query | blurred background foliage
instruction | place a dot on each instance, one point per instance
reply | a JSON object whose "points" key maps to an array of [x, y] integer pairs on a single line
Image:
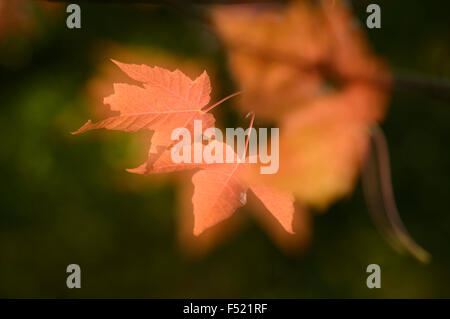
{"points": [[67, 199]]}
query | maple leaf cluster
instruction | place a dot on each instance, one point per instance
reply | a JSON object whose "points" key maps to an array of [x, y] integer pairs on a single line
{"points": [[170, 100], [307, 68]]}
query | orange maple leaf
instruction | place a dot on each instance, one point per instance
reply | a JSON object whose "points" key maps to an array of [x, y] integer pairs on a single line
{"points": [[167, 100], [221, 188]]}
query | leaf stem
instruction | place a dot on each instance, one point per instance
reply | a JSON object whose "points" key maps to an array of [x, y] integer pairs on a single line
{"points": [[249, 130], [377, 185], [221, 101]]}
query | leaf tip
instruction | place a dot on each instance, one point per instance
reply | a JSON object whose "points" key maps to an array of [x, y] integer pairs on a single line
{"points": [[119, 64], [116, 62], [197, 231], [82, 129], [142, 169]]}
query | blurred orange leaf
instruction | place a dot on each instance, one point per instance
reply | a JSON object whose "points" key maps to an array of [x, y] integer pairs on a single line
{"points": [[308, 67]]}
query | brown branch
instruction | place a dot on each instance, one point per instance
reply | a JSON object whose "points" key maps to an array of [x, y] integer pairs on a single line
{"points": [[433, 88]]}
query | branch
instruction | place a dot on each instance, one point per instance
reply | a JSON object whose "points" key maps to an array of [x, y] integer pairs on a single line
{"points": [[433, 88]]}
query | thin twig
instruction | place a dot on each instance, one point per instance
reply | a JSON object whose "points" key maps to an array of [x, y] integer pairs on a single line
{"points": [[377, 185], [221, 101], [434, 88]]}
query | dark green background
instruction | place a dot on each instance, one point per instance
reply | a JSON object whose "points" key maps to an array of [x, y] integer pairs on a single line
{"points": [[59, 204]]}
